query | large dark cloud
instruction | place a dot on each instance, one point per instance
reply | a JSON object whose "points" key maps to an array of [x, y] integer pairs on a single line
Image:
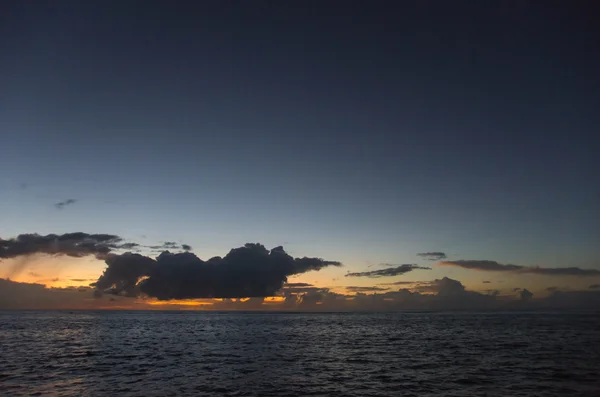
{"points": [[432, 256], [62, 204], [248, 271], [493, 266], [394, 271], [70, 244]]}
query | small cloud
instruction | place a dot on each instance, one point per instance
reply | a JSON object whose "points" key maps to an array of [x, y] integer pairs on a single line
{"points": [[486, 282], [365, 289], [62, 204], [552, 289], [394, 271], [595, 286], [526, 295], [33, 274], [170, 245], [432, 256], [516, 289]]}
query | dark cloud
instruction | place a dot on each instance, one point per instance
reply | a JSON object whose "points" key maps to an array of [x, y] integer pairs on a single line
{"points": [[394, 271], [432, 256], [170, 245], [517, 289], [248, 271], [561, 271], [486, 282], [62, 204], [493, 292], [365, 289], [481, 265], [526, 295], [595, 286], [70, 244], [33, 274], [493, 266], [552, 289]]}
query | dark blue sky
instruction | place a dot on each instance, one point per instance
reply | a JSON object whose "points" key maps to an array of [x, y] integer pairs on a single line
{"points": [[363, 132]]}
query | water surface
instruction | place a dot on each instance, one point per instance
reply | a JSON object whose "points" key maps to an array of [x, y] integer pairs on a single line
{"points": [[298, 354]]}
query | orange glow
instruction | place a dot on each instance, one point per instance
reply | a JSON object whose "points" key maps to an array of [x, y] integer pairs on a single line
{"points": [[179, 302], [274, 299]]}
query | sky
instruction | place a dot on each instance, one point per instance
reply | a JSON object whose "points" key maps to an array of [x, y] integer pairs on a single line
{"points": [[361, 133]]}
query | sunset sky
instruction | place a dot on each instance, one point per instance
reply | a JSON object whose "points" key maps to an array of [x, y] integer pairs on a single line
{"points": [[356, 135]]}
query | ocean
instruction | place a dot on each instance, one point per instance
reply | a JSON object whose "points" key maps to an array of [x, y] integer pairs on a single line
{"points": [[148, 353]]}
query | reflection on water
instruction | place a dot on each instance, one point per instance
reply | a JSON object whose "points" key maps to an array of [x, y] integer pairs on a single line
{"points": [[291, 354]]}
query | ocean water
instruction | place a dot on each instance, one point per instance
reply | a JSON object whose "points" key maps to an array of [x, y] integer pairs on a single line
{"points": [[297, 354]]}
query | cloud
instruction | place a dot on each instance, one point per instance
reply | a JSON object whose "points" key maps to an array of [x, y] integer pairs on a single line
{"points": [[70, 244], [594, 286], [481, 265], [432, 256], [443, 295], [170, 245], [33, 274], [394, 271], [365, 289], [493, 266], [486, 282], [552, 289], [295, 285], [62, 204], [248, 271], [526, 295]]}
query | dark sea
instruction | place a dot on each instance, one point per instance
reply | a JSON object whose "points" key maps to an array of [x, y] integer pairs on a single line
{"points": [[103, 353]]}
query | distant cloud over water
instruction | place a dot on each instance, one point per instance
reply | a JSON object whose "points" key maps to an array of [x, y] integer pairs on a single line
{"points": [[493, 266], [432, 256], [393, 271]]}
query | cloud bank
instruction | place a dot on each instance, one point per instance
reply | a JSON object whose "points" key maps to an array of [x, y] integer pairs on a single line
{"points": [[68, 244], [493, 266]]}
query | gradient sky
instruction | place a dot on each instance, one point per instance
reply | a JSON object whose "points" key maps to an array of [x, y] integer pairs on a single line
{"points": [[354, 131]]}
